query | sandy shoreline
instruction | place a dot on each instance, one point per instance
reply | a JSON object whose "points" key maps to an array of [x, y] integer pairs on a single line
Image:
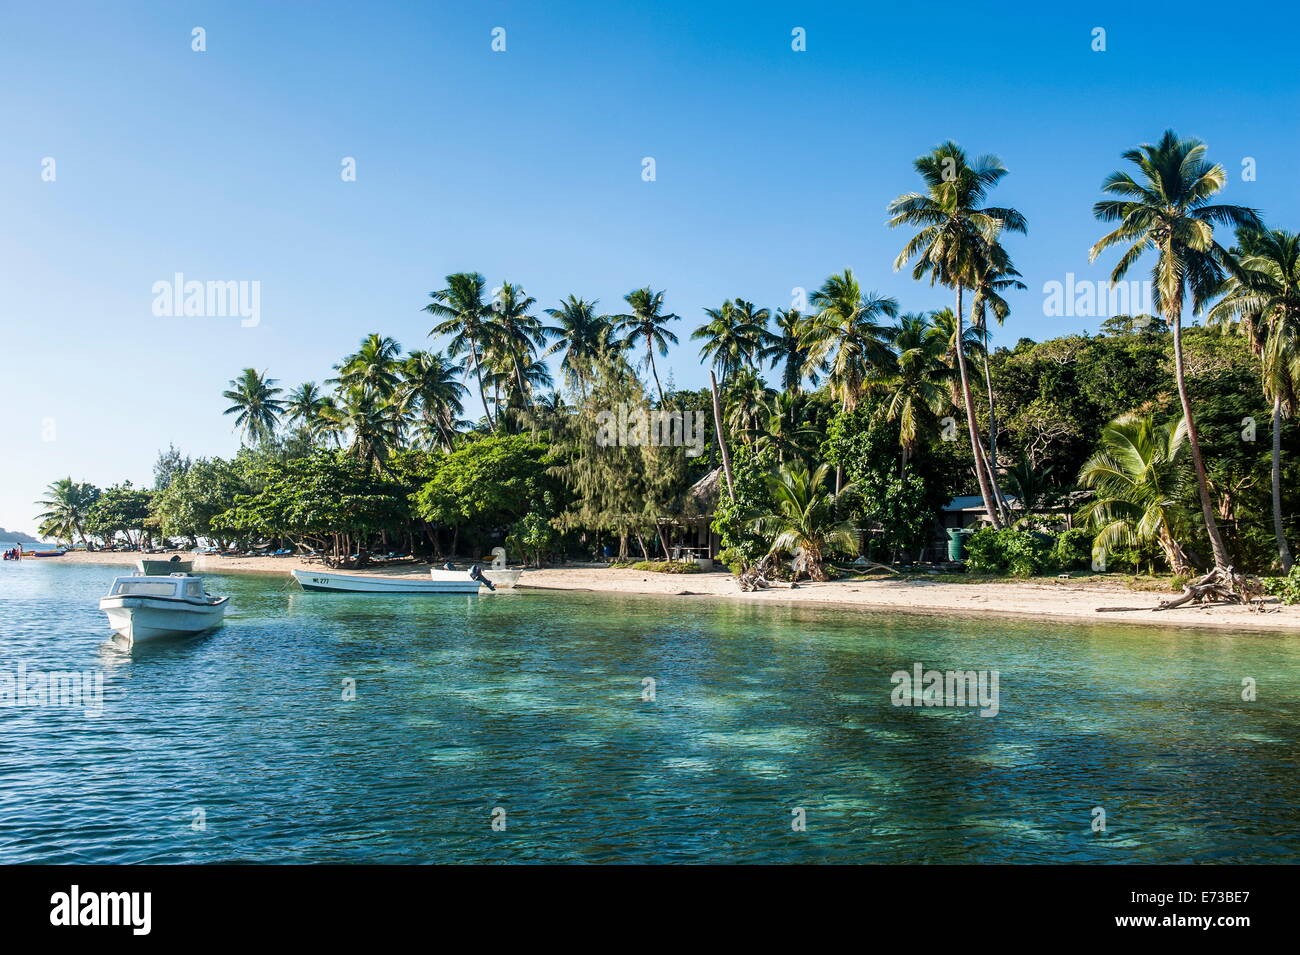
{"points": [[1073, 601]]}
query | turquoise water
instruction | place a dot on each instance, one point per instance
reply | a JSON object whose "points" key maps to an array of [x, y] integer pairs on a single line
{"points": [[532, 703]]}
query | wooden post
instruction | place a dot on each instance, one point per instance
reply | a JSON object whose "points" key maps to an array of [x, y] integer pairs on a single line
{"points": [[722, 443]]}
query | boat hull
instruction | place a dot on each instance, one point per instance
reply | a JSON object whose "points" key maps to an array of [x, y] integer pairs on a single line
{"points": [[138, 619], [323, 582]]}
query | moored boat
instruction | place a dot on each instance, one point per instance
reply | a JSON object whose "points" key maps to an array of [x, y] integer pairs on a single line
{"points": [[328, 582], [45, 553], [162, 568], [149, 608], [499, 578]]}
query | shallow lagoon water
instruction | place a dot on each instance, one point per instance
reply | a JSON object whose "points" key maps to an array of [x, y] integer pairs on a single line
{"points": [[532, 702]]}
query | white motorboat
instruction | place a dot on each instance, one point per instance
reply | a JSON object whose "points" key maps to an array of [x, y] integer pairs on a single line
{"points": [[499, 578], [458, 582], [147, 608]]}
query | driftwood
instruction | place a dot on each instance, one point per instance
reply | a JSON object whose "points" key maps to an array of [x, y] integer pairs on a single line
{"points": [[755, 578], [1221, 585]]}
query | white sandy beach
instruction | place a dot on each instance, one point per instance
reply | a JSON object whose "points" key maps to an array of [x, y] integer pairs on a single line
{"points": [[1065, 600]]}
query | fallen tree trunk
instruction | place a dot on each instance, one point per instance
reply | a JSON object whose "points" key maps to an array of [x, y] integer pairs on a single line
{"points": [[1221, 585]]}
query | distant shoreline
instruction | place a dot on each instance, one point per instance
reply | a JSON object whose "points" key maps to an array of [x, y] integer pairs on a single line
{"points": [[1060, 601]]}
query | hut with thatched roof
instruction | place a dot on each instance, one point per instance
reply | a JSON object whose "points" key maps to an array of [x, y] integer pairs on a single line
{"points": [[692, 530]]}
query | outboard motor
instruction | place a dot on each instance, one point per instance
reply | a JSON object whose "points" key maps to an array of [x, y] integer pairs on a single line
{"points": [[447, 565], [476, 573]]}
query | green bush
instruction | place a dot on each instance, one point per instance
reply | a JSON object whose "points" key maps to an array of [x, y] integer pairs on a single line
{"points": [[736, 559], [1072, 550], [1008, 551], [659, 566], [1286, 589]]}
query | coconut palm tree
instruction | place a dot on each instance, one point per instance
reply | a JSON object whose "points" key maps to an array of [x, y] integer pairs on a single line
{"points": [[512, 346], [1139, 477], [375, 367], [846, 337], [582, 334], [464, 316], [801, 519], [954, 235], [254, 403], [917, 389], [1168, 209], [433, 397], [789, 349], [374, 425], [782, 428], [647, 322], [1263, 303], [735, 336], [745, 401], [306, 407], [66, 504], [994, 275]]}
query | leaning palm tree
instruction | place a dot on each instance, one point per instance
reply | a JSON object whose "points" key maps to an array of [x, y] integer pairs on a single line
{"points": [[918, 388], [433, 396], [254, 403], [1263, 303], [954, 235], [647, 322], [1138, 477], [1167, 209], [994, 275], [67, 502], [583, 335], [789, 350], [846, 337], [306, 407], [801, 519], [464, 316], [735, 336]]}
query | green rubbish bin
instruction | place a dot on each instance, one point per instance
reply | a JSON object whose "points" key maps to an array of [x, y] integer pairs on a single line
{"points": [[957, 543]]}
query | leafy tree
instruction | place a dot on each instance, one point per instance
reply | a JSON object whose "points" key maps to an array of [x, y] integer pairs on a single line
{"points": [[121, 509]]}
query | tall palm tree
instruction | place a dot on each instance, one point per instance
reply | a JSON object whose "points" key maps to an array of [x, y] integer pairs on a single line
{"points": [[783, 428], [66, 504], [254, 403], [745, 401], [464, 316], [1168, 210], [433, 396], [373, 423], [1263, 303], [918, 388], [307, 407], [516, 336], [994, 275], [801, 519], [1138, 477], [583, 335], [846, 336], [648, 322], [375, 367], [735, 336], [954, 234], [789, 349]]}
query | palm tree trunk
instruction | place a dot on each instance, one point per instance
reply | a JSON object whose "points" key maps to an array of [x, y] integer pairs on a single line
{"points": [[991, 505], [650, 353], [1283, 552], [478, 373], [1194, 440]]}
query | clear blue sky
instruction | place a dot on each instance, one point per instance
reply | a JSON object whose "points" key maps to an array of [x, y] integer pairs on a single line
{"points": [[773, 170]]}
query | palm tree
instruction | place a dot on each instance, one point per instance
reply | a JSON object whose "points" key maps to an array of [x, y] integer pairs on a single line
{"points": [[745, 400], [373, 368], [846, 337], [1139, 478], [954, 236], [431, 393], [1263, 303], [994, 275], [783, 428], [735, 336], [375, 425], [465, 317], [583, 335], [66, 504], [919, 386], [801, 519], [307, 408], [1168, 210], [789, 349], [513, 343], [255, 405], [647, 321]]}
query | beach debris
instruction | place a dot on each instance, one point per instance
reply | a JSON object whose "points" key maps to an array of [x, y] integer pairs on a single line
{"points": [[1222, 585]]}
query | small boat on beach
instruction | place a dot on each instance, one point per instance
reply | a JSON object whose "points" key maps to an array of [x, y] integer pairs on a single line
{"points": [[148, 608], [455, 582], [45, 553]]}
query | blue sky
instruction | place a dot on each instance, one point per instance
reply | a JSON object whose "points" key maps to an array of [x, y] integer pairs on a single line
{"points": [[773, 170]]}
